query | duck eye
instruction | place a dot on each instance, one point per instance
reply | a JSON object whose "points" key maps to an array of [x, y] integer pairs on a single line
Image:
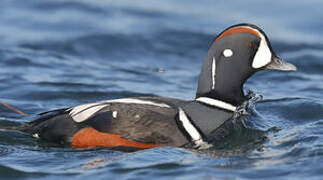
{"points": [[227, 53]]}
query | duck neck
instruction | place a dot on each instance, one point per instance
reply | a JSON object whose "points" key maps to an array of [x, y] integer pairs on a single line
{"points": [[229, 90], [232, 95], [223, 81]]}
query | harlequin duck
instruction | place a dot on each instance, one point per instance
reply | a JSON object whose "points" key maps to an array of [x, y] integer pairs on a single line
{"points": [[146, 122]]}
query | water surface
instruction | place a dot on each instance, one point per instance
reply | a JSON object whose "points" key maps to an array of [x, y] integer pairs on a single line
{"points": [[56, 54]]}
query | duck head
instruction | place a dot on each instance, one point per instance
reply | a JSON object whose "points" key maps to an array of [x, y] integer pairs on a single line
{"points": [[236, 54]]}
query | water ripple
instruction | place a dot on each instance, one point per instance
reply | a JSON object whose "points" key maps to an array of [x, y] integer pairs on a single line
{"points": [[56, 54]]}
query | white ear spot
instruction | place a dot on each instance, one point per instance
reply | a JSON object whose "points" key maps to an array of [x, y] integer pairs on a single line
{"points": [[227, 53]]}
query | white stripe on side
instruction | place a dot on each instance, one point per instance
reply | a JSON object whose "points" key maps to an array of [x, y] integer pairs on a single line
{"points": [[83, 112], [216, 103], [213, 73], [137, 101], [192, 131]]}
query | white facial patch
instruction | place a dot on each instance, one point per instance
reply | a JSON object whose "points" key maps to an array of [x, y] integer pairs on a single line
{"points": [[263, 54], [227, 53]]}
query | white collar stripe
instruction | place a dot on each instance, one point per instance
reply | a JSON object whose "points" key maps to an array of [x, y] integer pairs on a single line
{"points": [[216, 103]]}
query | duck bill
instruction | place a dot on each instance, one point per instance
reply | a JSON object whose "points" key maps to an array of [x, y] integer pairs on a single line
{"points": [[280, 65]]}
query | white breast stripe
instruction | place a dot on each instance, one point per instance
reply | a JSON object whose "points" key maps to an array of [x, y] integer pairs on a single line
{"points": [[188, 126], [192, 131], [216, 103], [83, 112], [213, 73]]}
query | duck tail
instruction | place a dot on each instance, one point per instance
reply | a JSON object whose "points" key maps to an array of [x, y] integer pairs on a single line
{"points": [[16, 110], [12, 108]]}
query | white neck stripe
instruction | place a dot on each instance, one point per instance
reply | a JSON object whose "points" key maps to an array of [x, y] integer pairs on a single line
{"points": [[216, 103], [213, 73]]}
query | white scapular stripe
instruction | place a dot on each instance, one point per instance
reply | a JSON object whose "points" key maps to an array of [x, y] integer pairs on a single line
{"points": [[83, 112], [263, 54], [192, 131], [216, 103], [213, 73]]}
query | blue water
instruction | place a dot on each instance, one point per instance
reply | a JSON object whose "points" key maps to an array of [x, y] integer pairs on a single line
{"points": [[55, 54]]}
